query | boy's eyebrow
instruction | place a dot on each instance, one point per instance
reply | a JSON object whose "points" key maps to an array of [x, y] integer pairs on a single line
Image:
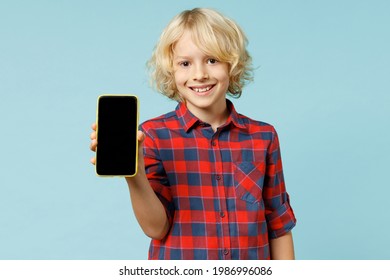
{"points": [[186, 57], [180, 57]]}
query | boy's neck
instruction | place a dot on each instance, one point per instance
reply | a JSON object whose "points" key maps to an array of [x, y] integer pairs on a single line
{"points": [[215, 117], [218, 120]]}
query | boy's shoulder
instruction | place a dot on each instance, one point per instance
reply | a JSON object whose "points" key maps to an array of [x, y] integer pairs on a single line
{"points": [[167, 119], [171, 120], [255, 125], [256, 129]]}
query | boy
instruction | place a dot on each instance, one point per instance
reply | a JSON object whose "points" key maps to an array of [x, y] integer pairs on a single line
{"points": [[212, 186]]}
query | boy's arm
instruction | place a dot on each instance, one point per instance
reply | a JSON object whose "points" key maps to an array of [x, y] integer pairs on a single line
{"points": [[148, 209], [279, 214], [282, 248]]}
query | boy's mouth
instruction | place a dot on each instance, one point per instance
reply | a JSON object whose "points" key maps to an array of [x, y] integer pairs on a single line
{"points": [[202, 89]]}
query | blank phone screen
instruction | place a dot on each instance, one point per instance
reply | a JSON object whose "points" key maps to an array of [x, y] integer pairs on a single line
{"points": [[116, 152]]}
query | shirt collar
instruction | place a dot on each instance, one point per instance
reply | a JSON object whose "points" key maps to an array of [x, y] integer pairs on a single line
{"points": [[188, 120]]}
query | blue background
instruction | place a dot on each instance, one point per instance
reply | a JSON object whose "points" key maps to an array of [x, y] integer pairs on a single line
{"points": [[322, 79]]}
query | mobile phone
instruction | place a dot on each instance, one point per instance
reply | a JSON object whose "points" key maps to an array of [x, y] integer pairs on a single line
{"points": [[116, 134]]}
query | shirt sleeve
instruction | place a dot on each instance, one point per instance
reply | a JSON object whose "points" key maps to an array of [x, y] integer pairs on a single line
{"points": [[279, 214], [156, 174]]}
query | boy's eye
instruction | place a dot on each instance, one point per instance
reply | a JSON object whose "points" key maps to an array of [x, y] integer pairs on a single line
{"points": [[212, 61], [184, 63]]}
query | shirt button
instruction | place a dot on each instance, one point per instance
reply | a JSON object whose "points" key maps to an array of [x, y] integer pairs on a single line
{"points": [[213, 143], [226, 252], [222, 214], [218, 177]]}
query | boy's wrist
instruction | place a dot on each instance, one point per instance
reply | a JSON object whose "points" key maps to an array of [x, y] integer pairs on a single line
{"points": [[138, 179]]}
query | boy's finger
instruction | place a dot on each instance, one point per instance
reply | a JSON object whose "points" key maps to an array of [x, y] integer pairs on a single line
{"points": [[140, 136], [93, 145], [93, 161], [93, 135], [93, 126]]}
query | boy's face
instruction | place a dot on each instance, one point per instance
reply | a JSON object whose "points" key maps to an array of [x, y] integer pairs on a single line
{"points": [[201, 80]]}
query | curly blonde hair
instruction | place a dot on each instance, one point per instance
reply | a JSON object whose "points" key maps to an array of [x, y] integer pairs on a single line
{"points": [[215, 35]]}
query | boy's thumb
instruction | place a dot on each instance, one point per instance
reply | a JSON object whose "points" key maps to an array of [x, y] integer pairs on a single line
{"points": [[141, 137]]}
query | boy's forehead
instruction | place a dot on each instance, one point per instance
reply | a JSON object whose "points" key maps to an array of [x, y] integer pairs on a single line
{"points": [[187, 45], [185, 38]]}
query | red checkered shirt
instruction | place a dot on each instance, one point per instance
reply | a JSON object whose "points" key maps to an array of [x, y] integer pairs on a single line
{"points": [[223, 191]]}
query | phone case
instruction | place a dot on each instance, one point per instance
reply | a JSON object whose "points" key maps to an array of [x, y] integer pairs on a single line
{"points": [[136, 128]]}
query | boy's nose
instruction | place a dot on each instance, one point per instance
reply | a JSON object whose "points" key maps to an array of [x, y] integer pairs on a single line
{"points": [[200, 73]]}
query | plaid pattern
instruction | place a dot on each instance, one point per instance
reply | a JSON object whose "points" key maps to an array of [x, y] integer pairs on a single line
{"points": [[223, 192]]}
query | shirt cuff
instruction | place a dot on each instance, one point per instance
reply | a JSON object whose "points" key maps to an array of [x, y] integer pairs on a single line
{"points": [[280, 221]]}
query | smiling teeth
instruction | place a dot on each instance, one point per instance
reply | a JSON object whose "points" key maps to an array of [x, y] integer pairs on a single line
{"points": [[201, 89]]}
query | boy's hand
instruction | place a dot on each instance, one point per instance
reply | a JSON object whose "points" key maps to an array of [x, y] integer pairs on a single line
{"points": [[93, 144]]}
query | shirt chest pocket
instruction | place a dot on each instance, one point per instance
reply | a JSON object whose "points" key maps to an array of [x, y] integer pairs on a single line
{"points": [[249, 180]]}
